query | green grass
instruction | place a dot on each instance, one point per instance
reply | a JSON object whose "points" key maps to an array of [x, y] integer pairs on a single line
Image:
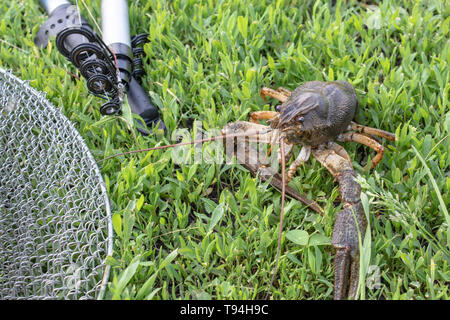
{"points": [[210, 231]]}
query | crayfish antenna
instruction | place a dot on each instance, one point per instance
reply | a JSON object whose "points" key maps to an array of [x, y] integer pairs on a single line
{"points": [[280, 230], [221, 137]]}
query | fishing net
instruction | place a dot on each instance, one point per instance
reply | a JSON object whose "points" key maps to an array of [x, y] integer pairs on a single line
{"points": [[55, 220]]}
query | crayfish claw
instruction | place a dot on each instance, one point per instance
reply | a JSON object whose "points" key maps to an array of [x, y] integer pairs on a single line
{"points": [[341, 273], [349, 223], [346, 277]]}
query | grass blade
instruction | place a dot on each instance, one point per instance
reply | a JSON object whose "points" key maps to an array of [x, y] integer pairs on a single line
{"points": [[438, 192]]}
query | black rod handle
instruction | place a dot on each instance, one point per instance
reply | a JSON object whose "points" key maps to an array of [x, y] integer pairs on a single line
{"points": [[141, 104]]}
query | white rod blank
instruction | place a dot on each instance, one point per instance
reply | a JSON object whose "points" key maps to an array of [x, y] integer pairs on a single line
{"points": [[50, 5], [115, 22]]}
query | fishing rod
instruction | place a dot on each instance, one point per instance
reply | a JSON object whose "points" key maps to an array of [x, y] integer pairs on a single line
{"points": [[111, 64]]}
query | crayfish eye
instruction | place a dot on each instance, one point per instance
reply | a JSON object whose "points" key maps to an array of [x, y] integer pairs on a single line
{"points": [[301, 119], [278, 108]]}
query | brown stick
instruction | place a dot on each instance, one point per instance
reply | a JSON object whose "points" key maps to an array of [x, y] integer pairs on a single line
{"points": [[267, 173]]}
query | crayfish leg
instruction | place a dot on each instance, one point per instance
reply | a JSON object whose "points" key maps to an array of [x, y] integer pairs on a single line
{"points": [[284, 91], [279, 95], [367, 141], [373, 131], [301, 158], [262, 115]]}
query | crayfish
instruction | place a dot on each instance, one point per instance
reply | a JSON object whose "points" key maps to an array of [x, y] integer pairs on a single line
{"points": [[313, 116]]}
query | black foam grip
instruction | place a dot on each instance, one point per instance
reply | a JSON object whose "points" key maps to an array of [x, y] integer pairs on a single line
{"points": [[141, 104]]}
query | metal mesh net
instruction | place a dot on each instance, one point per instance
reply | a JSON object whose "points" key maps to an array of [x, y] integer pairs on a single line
{"points": [[55, 221]]}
